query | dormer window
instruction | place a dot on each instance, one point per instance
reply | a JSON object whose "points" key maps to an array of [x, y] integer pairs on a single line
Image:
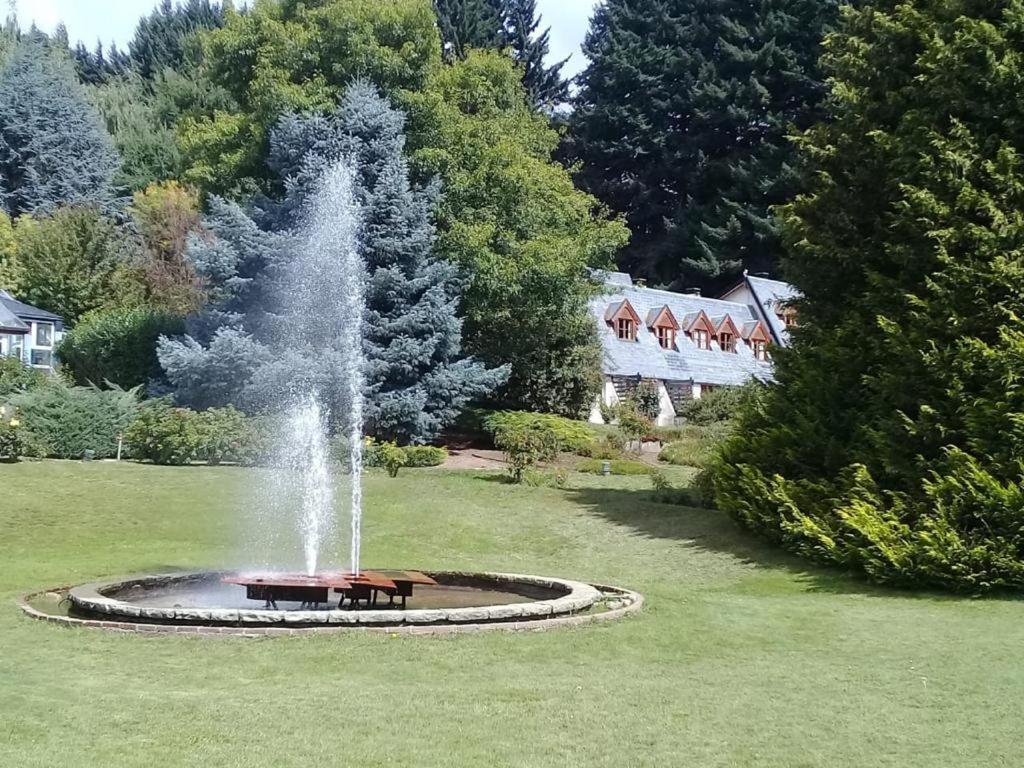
{"points": [[701, 329], [623, 319], [664, 325], [726, 333], [727, 342], [760, 349], [756, 335]]}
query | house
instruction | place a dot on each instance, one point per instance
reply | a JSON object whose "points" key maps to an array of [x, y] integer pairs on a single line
{"points": [[684, 343], [29, 333]]}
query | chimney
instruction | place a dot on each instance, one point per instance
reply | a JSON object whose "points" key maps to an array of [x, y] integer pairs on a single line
{"points": [[640, 282], [691, 291], [765, 275]]}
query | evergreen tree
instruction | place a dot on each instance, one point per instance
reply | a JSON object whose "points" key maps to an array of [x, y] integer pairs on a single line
{"points": [[416, 382], [893, 440], [545, 85], [681, 124], [466, 24], [162, 39], [53, 147]]}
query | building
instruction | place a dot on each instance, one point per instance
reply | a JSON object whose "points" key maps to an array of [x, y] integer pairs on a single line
{"points": [[29, 333], [684, 343]]}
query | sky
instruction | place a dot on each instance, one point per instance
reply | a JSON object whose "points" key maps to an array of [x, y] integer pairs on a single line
{"points": [[114, 20]]}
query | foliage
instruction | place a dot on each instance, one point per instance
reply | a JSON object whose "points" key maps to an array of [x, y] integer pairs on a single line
{"points": [[681, 124], [391, 457], [73, 420], [634, 426], [524, 445], [892, 441], [118, 345], [618, 467], [695, 448], [715, 406], [416, 383], [74, 261], [609, 411], [514, 221], [163, 434], [645, 400], [16, 377], [166, 214], [544, 84], [287, 57], [609, 445], [425, 455], [53, 147], [568, 435], [466, 24], [163, 39], [96, 66], [12, 441], [10, 271]]}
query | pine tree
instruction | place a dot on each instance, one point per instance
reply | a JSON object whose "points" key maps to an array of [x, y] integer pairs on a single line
{"points": [[893, 439], [161, 39], [416, 381], [544, 84], [53, 146], [681, 123], [466, 24]]}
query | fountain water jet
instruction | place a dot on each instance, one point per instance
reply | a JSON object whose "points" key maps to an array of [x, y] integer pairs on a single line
{"points": [[318, 326]]}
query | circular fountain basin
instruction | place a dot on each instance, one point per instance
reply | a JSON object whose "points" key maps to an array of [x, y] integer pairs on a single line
{"points": [[202, 602]]}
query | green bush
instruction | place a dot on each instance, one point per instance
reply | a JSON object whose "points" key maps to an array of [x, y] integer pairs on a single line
{"points": [[425, 455], [618, 467], [572, 436], [72, 420], [228, 435], [391, 457], [646, 400], [118, 345], [524, 444], [634, 426], [163, 434], [12, 441], [694, 447], [714, 407], [16, 377], [610, 445]]}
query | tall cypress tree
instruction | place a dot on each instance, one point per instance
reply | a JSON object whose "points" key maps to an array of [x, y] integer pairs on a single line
{"points": [[681, 123], [893, 439], [54, 149], [161, 39], [416, 380]]}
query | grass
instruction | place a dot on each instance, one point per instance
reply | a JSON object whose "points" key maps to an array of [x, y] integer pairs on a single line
{"points": [[742, 657]]}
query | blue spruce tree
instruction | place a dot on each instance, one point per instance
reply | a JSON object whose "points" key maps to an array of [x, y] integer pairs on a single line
{"points": [[54, 149], [416, 382]]}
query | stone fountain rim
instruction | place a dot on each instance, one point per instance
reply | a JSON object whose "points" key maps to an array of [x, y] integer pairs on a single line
{"points": [[579, 596], [625, 602]]}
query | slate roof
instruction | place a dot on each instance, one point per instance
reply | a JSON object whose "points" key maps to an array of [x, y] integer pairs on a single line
{"points": [[9, 322], [686, 362], [769, 294], [24, 311]]}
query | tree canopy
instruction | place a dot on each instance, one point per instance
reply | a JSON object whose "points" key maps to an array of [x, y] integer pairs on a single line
{"points": [[681, 124], [892, 440]]}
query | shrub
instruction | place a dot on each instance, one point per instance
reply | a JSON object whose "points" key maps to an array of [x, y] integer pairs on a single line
{"points": [[525, 444], [608, 446], [646, 400], [16, 377], [694, 446], [570, 435], [73, 420], [425, 455], [11, 437], [609, 411], [118, 345], [227, 434], [163, 434], [634, 426], [391, 457], [715, 406], [618, 467]]}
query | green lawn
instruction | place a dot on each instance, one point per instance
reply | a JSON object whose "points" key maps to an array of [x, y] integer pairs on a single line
{"points": [[742, 657]]}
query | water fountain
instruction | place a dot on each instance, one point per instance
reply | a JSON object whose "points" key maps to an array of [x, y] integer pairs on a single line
{"points": [[322, 299]]}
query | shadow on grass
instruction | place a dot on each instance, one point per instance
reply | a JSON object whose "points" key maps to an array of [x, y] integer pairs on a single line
{"points": [[714, 531]]}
